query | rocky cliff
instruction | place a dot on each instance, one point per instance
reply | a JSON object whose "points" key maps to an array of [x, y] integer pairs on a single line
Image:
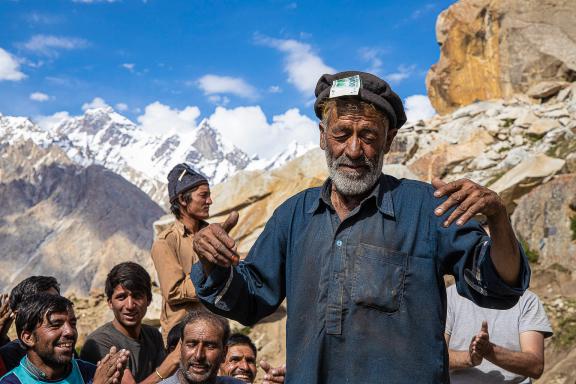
{"points": [[61, 219], [493, 49]]}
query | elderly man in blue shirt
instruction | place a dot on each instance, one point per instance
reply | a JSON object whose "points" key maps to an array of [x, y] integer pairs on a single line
{"points": [[361, 259]]}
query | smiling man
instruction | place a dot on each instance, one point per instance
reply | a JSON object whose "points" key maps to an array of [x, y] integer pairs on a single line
{"points": [[46, 326], [203, 349], [240, 361], [172, 252], [361, 260], [129, 293]]}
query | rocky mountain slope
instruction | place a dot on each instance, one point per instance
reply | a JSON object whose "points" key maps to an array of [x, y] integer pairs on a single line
{"points": [[72, 222]]}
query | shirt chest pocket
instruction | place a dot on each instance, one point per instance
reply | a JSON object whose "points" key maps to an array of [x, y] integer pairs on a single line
{"points": [[378, 278]]}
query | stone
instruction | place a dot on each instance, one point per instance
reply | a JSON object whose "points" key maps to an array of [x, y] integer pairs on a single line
{"points": [[545, 89], [494, 49], [444, 156], [526, 119], [524, 177], [543, 220], [542, 126]]}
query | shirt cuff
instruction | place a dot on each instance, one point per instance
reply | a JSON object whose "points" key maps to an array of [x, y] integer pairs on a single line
{"points": [[209, 287]]}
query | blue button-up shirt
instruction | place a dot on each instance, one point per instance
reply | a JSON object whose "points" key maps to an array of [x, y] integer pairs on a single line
{"points": [[366, 297]]}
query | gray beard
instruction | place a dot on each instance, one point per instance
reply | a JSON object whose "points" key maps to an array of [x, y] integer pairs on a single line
{"points": [[351, 184]]}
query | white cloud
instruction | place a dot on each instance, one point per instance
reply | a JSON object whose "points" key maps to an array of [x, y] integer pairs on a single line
{"points": [[121, 107], [418, 107], [219, 100], [159, 118], [402, 73], [43, 18], [249, 129], [48, 123], [214, 84], [49, 45], [304, 67], [9, 67], [39, 96], [129, 66], [372, 56], [274, 89], [97, 102]]}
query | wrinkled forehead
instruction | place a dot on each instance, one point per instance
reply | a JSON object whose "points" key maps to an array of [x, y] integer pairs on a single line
{"points": [[201, 330], [60, 316], [356, 108], [241, 350]]}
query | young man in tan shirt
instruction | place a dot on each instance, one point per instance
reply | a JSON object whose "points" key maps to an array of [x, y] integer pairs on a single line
{"points": [[172, 251]]}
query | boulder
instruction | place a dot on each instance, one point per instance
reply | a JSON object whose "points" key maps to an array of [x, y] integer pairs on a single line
{"points": [[542, 126], [546, 222], [545, 89], [494, 49], [525, 177]]}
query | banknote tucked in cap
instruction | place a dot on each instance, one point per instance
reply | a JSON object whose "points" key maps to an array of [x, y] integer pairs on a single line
{"points": [[183, 178], [365, 86]]}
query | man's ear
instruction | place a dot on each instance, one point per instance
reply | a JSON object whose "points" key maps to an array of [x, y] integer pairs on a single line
{"points": [[28, 339], [322, 136], [389, 138], [181, 200]]}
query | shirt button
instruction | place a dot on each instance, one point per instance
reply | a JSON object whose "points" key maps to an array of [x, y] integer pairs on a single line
{"points": [[338, 243]]}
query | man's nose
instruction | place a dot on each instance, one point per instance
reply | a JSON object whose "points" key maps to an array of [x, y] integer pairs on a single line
{"points": [[244, 365], [68, 330], [130, 303], [353, 147], [199, 352]]}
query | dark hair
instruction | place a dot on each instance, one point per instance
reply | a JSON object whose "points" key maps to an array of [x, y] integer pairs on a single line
{"points": [[187, 197], [35, 308], [174, 336], [209, 317], [241, 339], [131, 276], [31, 286]]}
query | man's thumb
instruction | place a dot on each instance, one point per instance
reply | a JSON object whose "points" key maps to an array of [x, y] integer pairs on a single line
{"points": [[231, 221], [484, 326], [265, 365]]}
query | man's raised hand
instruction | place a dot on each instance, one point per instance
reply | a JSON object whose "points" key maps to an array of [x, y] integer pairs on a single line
{"points": [[273, 375], [469, 198], [214, 246], [482, 344], [111, 367]]}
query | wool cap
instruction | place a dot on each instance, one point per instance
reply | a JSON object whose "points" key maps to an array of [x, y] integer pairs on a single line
{"points": [[371, 89], [183, 178]]}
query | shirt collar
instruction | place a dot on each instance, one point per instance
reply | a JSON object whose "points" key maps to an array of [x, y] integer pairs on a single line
{"points": [[183, 231], [381, 193]]}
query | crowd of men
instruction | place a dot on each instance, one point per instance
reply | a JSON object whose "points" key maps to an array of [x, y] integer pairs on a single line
{"points": [[360, 261], [124, 350]]}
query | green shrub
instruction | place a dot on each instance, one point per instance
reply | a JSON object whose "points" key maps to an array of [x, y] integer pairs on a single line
{"points": [[531, 254]]}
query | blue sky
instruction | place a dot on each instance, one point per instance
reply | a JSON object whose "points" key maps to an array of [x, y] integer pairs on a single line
{"points": [[189, 59]]}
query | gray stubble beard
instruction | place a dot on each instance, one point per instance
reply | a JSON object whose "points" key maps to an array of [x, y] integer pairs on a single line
{"points": [[349, 185]]}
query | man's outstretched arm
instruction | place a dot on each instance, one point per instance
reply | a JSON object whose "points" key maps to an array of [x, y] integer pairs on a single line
{"points": [[245, 291], [471, 199]]}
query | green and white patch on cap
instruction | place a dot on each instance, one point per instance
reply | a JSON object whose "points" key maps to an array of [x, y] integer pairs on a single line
{"points": [[348, 86]]}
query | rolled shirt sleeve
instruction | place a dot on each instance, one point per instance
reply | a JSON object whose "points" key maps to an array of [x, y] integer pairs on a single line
{"points": [[255, 288], [466, 253]]}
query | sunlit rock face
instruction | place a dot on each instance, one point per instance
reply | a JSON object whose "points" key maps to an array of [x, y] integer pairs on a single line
{"points": [[493, 49]]}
